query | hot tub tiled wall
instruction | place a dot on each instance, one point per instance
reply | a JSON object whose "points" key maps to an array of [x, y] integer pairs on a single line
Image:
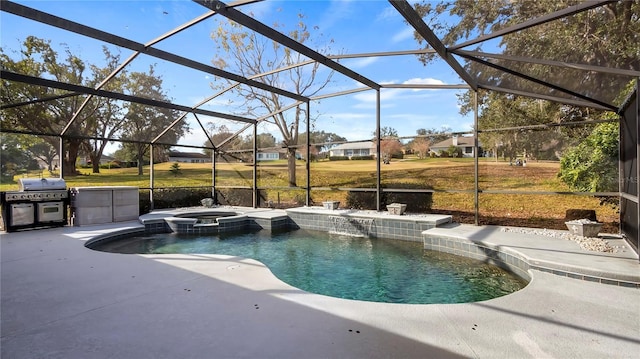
{"points": [[274, 223], [377, 226], [224, 224], [514, 262], [156, 225]]}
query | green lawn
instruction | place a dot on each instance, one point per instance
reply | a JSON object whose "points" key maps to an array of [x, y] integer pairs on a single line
{"points": [[438, 174]]}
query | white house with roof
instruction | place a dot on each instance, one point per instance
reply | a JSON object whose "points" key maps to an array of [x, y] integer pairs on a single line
{"points": [[354, 149], [464, 143], [270, 155], [188, 157], [86, 160]]}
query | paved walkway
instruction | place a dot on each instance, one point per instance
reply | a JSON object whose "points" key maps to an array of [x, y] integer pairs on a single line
{"points": [[62, 300]]}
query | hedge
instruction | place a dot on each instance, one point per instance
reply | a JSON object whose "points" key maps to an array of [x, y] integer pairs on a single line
{"points": [[173, 198], [357, 158], [191, 197], [417, 202]]}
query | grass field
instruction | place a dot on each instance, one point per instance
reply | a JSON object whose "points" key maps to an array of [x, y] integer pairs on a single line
{"points": [[533, 210]]}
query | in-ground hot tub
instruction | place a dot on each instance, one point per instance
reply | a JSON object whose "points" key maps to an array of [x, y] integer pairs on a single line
{"points": [[212, 221], [210, 218]]}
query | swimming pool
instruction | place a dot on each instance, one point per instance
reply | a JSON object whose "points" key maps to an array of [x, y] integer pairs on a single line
{"points": [[369, 269]]}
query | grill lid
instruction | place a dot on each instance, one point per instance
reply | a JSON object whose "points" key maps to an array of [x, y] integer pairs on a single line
{"points": [[41, 184]]}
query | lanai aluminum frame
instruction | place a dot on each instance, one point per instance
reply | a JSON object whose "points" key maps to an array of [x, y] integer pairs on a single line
{"points": [[402, 6]]}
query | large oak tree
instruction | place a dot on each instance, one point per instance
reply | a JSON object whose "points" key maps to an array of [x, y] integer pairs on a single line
{"points": [[607, 36], [244, 52], [38, 58], [100, 118]]}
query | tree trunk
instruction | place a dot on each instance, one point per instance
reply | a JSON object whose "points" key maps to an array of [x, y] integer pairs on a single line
{"points": [[95, 162], [95, 165], [69, 168], [291, 165], [96, 155], [140, 158]]}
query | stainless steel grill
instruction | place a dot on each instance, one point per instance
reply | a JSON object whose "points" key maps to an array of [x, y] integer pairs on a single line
{"points": [[39, 202]]}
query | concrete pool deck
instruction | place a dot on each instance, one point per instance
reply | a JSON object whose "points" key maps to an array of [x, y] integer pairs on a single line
{"points": [[62, 300]]}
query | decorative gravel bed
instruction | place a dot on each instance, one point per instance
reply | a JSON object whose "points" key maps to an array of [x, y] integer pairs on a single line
{"points": [[587, 243]]}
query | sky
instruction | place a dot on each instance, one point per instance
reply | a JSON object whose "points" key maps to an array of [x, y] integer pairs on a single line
{"points": [[348, 27]]}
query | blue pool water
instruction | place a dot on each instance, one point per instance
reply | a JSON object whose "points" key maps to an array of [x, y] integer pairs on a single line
{"points": [[377, 270]]}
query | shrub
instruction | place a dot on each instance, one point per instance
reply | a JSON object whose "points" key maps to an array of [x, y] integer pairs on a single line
{"points": [[175, 169], [111, 164], [454, 151], [592, 166], [338, 158], [359, 158]]}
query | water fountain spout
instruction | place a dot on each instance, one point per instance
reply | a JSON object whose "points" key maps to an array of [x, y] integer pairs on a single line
{"points": [[355, 227]]}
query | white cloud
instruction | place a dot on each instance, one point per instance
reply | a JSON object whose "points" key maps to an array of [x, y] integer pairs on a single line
{"points": [[388, 13], [403, 35], [424, 81], [368, 98], [371, 97], [359, 63]]}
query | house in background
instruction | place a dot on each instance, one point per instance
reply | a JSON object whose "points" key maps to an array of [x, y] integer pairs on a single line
{"points": [[354, 149], [464, 143], [86, 161], [188, 157], [271, 155]]}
